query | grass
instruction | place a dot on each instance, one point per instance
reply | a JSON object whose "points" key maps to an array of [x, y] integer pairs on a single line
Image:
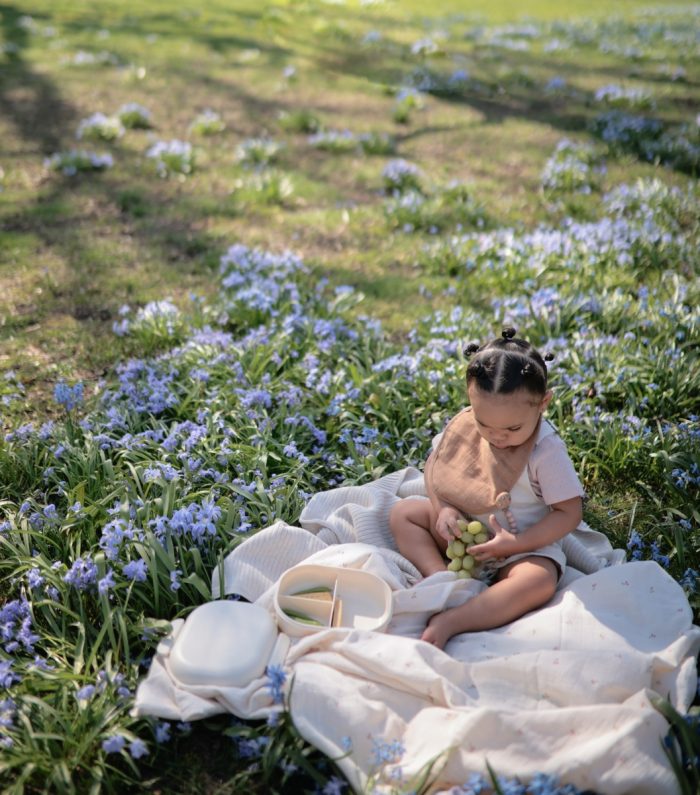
{"points": [[233, 60], [74, 250]]}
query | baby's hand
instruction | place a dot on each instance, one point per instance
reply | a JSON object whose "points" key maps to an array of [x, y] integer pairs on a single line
{"points": [[503, 544], [447, 523]]}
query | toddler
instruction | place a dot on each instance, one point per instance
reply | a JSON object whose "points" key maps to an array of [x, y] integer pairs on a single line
{"points": [[500, 462]]}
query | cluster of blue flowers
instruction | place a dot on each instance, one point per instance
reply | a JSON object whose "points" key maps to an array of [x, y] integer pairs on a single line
{"points": [[400, 175], [572, 168], [540, 784]]}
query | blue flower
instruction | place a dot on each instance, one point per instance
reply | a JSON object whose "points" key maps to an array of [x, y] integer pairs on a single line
{"points": [[543, 784], [34, 578], [82, 574], [476, 784], [136, 570], [106, 583], [635, 544], [334, 786], [68, 397], [8, 709], [656, 555], [175, 579], [7, 677], [386, 752], [114, 744], [276, 678], [511, 786], [137, 749], [85, 693], [162, 732], [689, 580], [251, 748]]}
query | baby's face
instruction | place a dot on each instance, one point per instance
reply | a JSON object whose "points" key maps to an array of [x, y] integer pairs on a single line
{"points": [[506, 420]]}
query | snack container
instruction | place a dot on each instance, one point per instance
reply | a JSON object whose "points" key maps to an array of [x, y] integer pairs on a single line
{"points": [[311, 597], [223, 643], [228, 643]]}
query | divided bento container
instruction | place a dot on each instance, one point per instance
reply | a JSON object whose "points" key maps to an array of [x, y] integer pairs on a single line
{"points": [[311, 597]]}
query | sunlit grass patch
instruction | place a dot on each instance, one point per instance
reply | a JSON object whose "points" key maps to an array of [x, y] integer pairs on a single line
{"points": [[301, 120], [258, 151], [267, 187]]}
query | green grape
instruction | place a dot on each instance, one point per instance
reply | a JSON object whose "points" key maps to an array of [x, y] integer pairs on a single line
{"points": [[457, 547]]}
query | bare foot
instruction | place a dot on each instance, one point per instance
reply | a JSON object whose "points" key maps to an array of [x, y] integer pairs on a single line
{"points": [[437, 632]]}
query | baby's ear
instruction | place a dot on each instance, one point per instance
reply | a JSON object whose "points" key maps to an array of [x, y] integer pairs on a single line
{"points": [[546, 400]]}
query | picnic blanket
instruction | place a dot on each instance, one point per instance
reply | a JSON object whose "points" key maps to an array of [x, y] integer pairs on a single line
{"points": [[564, 690]]}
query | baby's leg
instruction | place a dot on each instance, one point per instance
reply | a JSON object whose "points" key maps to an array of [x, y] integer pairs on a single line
{"points": [[522, 586], [412, 523]]}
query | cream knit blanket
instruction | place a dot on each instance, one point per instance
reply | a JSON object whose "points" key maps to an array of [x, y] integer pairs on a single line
{"points": [[564, 690]]}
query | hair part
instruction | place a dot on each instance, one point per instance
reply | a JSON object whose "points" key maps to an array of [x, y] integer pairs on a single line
{"points": [[506, 365]]}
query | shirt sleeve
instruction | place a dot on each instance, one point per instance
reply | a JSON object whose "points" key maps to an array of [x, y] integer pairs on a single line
{"points": [[552, 472]]}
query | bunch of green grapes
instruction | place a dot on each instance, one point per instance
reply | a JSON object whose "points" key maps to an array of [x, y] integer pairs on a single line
{"points": [[461, 562]]}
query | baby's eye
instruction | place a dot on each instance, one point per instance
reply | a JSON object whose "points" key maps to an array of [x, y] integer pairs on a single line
{"points": [[517, 428]]}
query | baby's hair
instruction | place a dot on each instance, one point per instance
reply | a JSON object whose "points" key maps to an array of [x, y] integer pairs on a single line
{"points": [[507, 364]]}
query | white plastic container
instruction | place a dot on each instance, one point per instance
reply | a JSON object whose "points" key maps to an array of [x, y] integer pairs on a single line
{"points": [[229, 643], [311, 597], [223, 643]]}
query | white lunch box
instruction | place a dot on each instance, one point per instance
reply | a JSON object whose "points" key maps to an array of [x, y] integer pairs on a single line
{"points": [[229, 643]]}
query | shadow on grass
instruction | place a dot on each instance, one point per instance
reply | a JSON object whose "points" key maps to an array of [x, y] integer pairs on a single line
{"points": [[28, 99], [509, 85], [68, 213]]}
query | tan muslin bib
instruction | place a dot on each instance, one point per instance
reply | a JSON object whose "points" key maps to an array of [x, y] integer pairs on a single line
{"points": [[467, 472]]}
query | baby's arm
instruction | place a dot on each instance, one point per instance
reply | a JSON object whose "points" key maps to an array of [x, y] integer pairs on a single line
{"points": [[564, 517], [447, 515]]}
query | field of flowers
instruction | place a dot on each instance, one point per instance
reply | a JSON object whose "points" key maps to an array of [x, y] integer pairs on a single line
{"points": [[214, 307]]}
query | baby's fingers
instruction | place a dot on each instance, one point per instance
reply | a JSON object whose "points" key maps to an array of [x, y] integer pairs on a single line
{"points": [[479, 551], [444, 529]]}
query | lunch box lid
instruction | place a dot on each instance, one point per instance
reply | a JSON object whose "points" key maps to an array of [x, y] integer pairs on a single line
{"points": [[224, 643]]}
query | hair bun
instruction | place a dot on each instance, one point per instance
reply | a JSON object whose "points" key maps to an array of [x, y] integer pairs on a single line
{"points": [[470, 348], [548, 357], [508, 333]]}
